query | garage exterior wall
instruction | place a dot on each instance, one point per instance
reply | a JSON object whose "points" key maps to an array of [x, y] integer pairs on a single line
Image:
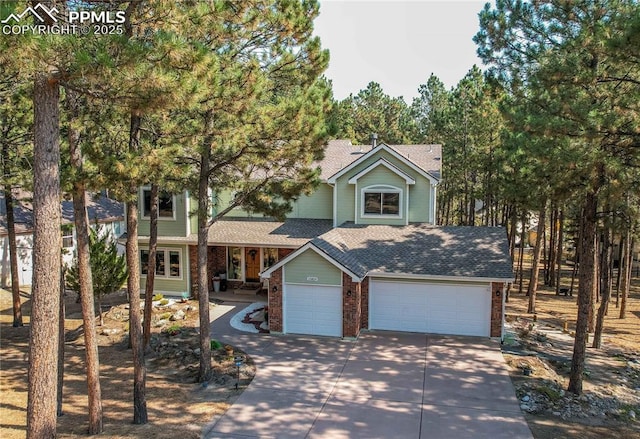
{"points": [[497, 296], [275, 302], [312, 269], [356, 305], [351, 306]]}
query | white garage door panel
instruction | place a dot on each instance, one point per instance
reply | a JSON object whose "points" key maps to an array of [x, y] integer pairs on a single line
{"points": [[433, 308], [314, 310]]}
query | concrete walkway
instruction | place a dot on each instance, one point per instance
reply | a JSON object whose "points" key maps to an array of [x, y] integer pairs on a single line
{"points": [[384, 385]]}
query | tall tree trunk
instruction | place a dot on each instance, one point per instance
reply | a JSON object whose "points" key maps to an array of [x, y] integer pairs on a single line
{"points": [[61, 316], [627, 267], [151, 271], [140, 415], [204, 374], [523, 236], [13, 254], [512, 244], [85, 280], [621, 248], [43, 340], [585, 289], [605, 286], [559, 250], [596, 286], [535, 271], [551, 263]]}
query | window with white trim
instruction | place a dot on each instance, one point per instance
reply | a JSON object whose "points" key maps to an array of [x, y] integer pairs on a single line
{"points": [[168, 262], [166, 204], [67, 235], [381, 202]]}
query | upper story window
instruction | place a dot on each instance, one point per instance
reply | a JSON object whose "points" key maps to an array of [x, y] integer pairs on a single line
{"points": [[383, 202], [166, 204]]}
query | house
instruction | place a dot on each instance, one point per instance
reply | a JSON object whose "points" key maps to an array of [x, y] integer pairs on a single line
{"points": [[361, 252], [102, 210]]}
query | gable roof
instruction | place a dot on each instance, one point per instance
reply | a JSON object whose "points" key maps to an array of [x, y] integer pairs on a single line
{"points": [[385, 163], [340, 154], [419, 251]]}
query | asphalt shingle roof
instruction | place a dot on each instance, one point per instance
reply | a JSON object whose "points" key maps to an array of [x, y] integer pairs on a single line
{"points": [[99, 208], [341, 153], [293, 232], [420, 249]]}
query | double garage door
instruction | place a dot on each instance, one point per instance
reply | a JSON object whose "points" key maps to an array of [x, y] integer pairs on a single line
{"points": [[459, 309], [432, 308]]}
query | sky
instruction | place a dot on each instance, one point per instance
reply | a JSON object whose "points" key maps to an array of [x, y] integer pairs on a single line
{"points": [[397, 43]]}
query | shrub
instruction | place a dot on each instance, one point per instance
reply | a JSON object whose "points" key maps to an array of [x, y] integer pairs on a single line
{"points": [[173, 329], [215, 344], [552, 394], [157, 297], [164, 302]]}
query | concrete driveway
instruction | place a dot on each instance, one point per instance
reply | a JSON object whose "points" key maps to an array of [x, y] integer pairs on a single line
{"points": [[384, 385]]}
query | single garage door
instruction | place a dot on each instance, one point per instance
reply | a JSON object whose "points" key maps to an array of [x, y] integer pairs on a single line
{"points": [[432, 308], [313, 309]]}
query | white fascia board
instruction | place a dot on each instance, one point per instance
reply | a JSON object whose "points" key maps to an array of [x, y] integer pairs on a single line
{"points": [[382, 162], [266, 274], [437, 277]]}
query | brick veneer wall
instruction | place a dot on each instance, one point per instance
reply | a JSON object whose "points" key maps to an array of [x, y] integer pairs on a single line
{"points": [[275, 301], [283, 252], [496, 308], [351, 306], [364, 305]]}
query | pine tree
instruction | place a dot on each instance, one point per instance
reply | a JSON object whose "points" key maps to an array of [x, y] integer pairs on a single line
{"points": [[567, 64]]}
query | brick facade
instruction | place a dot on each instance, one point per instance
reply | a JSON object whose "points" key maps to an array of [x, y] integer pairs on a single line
{"points": [[275, 301], [497, 291], [364, 317], [351, 306]]}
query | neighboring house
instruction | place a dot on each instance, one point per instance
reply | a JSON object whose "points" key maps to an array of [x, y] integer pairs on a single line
{"points": [[361, 252], [109, 214]]}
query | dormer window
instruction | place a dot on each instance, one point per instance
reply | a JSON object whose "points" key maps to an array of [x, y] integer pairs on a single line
{"points": [[381, 202]]}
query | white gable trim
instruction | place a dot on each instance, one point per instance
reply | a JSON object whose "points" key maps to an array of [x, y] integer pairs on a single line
{"points": [[382, 162], [394, 153], [266, 274]]}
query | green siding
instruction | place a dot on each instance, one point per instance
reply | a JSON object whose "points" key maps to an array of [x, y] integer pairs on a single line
{"points": [[345, 201], [223, 200], [193, 216], [419, 201], [419, 195], [166, 226], [311, 265], [318, 205], [169, 285]]}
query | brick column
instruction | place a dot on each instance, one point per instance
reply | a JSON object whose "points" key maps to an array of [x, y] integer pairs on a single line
{"points": [[497, 291], [275, 301], [351, 306], [364, 318]]}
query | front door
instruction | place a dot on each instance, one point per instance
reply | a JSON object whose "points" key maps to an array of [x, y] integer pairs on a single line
{"points": [[252, 264]]}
